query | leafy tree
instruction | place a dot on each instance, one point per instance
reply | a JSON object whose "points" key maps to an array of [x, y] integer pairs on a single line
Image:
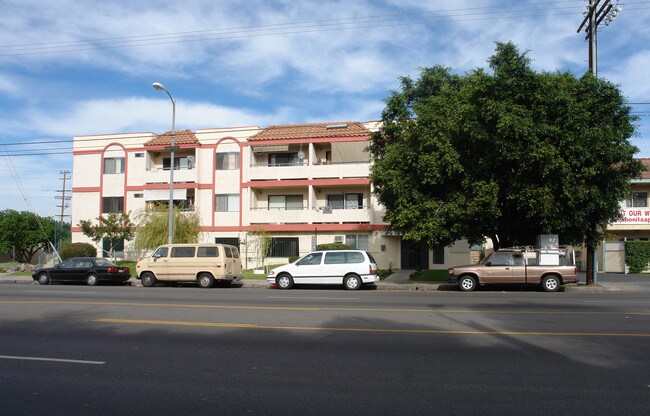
{"points": [[25, 233], [113, 227], [153, 227], [508, 154]]}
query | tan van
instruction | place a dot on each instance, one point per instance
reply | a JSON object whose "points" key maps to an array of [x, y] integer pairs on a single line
{"points": [[205, 264]]}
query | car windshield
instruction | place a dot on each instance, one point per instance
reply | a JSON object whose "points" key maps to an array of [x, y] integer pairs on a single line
{"points": [[103, 262]]}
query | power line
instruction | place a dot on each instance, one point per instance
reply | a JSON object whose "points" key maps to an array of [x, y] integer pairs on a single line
{"points": [[350, 23]]}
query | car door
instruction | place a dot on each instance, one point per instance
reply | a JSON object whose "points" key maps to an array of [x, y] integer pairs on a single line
{"points": [[63, 271], [308, 269], [159, 263], [71, 270], [335, 266], [498, 268]]}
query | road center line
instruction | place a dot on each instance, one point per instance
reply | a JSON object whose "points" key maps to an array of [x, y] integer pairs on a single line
{"points": [[40, 292], [56, 360], [377, 330]]}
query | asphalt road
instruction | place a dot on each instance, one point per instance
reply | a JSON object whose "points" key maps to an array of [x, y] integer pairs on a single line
{"points": [[78, 350]]}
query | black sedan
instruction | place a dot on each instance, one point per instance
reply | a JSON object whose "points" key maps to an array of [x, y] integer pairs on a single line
{"points": [[90, 270]]}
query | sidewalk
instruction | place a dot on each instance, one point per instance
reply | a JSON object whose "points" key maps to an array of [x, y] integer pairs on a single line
{"points": [[400, 281]]}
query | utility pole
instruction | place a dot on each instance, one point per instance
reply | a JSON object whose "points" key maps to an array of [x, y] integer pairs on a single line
{"points": [[594, 15], [63, 197]]}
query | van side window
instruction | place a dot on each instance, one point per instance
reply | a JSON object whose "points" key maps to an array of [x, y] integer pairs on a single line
{"points": [[226, 249], [336, 258], [355, 257], [207, 252], [235, 252], [183, 251], [161, 252], [310, 259]]}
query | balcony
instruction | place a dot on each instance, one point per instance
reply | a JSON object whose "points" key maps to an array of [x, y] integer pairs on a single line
{"points": [[359, 169], [162, 175], [309, 216]]}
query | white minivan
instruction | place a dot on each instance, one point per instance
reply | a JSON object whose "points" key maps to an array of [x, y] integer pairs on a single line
{"points": [[350, 268]]}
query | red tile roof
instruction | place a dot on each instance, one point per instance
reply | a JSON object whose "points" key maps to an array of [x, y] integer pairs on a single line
{"points": [[312, 131], [180, 137]]}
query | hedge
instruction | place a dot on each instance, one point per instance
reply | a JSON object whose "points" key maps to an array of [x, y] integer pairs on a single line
{"points": [[78, 250], [637, 255]]}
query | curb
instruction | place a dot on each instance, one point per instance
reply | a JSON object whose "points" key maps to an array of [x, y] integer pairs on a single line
{"points": [[383, 285]]}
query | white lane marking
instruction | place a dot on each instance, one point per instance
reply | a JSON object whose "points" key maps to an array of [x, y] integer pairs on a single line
{"points": [[308, 297], [614, 301], [59, 292], [57, 360]]}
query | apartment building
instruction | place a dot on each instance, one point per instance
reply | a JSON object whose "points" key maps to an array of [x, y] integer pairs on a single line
{"points": [[301, 184]]}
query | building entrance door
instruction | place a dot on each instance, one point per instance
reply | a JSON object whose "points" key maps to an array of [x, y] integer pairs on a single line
{"points": [[414, 256]]}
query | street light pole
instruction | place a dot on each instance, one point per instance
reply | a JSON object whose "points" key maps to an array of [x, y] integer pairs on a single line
{"points": [[170, 237]]}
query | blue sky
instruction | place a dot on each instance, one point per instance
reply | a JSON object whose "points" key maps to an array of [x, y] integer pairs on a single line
{"points": [[80, 67]]}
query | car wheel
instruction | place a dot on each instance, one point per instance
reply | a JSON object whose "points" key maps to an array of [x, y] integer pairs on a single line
{"points": [[352, 282], [43, 279], [284, 281], [551, 284], [148, 279], [206, 280], [467, 283], [92, 280]]}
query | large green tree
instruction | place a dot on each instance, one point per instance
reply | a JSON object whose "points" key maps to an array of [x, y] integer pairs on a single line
{"points": [[508, 153], [25, 233], [153, 227]]}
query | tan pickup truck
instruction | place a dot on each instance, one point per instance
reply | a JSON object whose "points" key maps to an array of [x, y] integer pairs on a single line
{"points": [[550, 268]]}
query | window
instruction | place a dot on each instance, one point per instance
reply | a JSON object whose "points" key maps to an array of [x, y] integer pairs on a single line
{"points": [[139, 155], [637, 200], [138, 195], [279, 202], [284, 247], [183, 252], [231, 241], [182, 162], [344, 257], [116, 245], [112, 204], [312, 259], [228, 252], [438, 255], [227, 203], [284, 159], [500, 259], [357, 242], [161, 252], [207, 252], [347, 201], [113, 165], [228, 161]]}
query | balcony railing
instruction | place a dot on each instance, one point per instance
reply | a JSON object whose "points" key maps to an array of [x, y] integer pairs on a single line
{"points": [[357, 169], [162, 175], [309, 216]]}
